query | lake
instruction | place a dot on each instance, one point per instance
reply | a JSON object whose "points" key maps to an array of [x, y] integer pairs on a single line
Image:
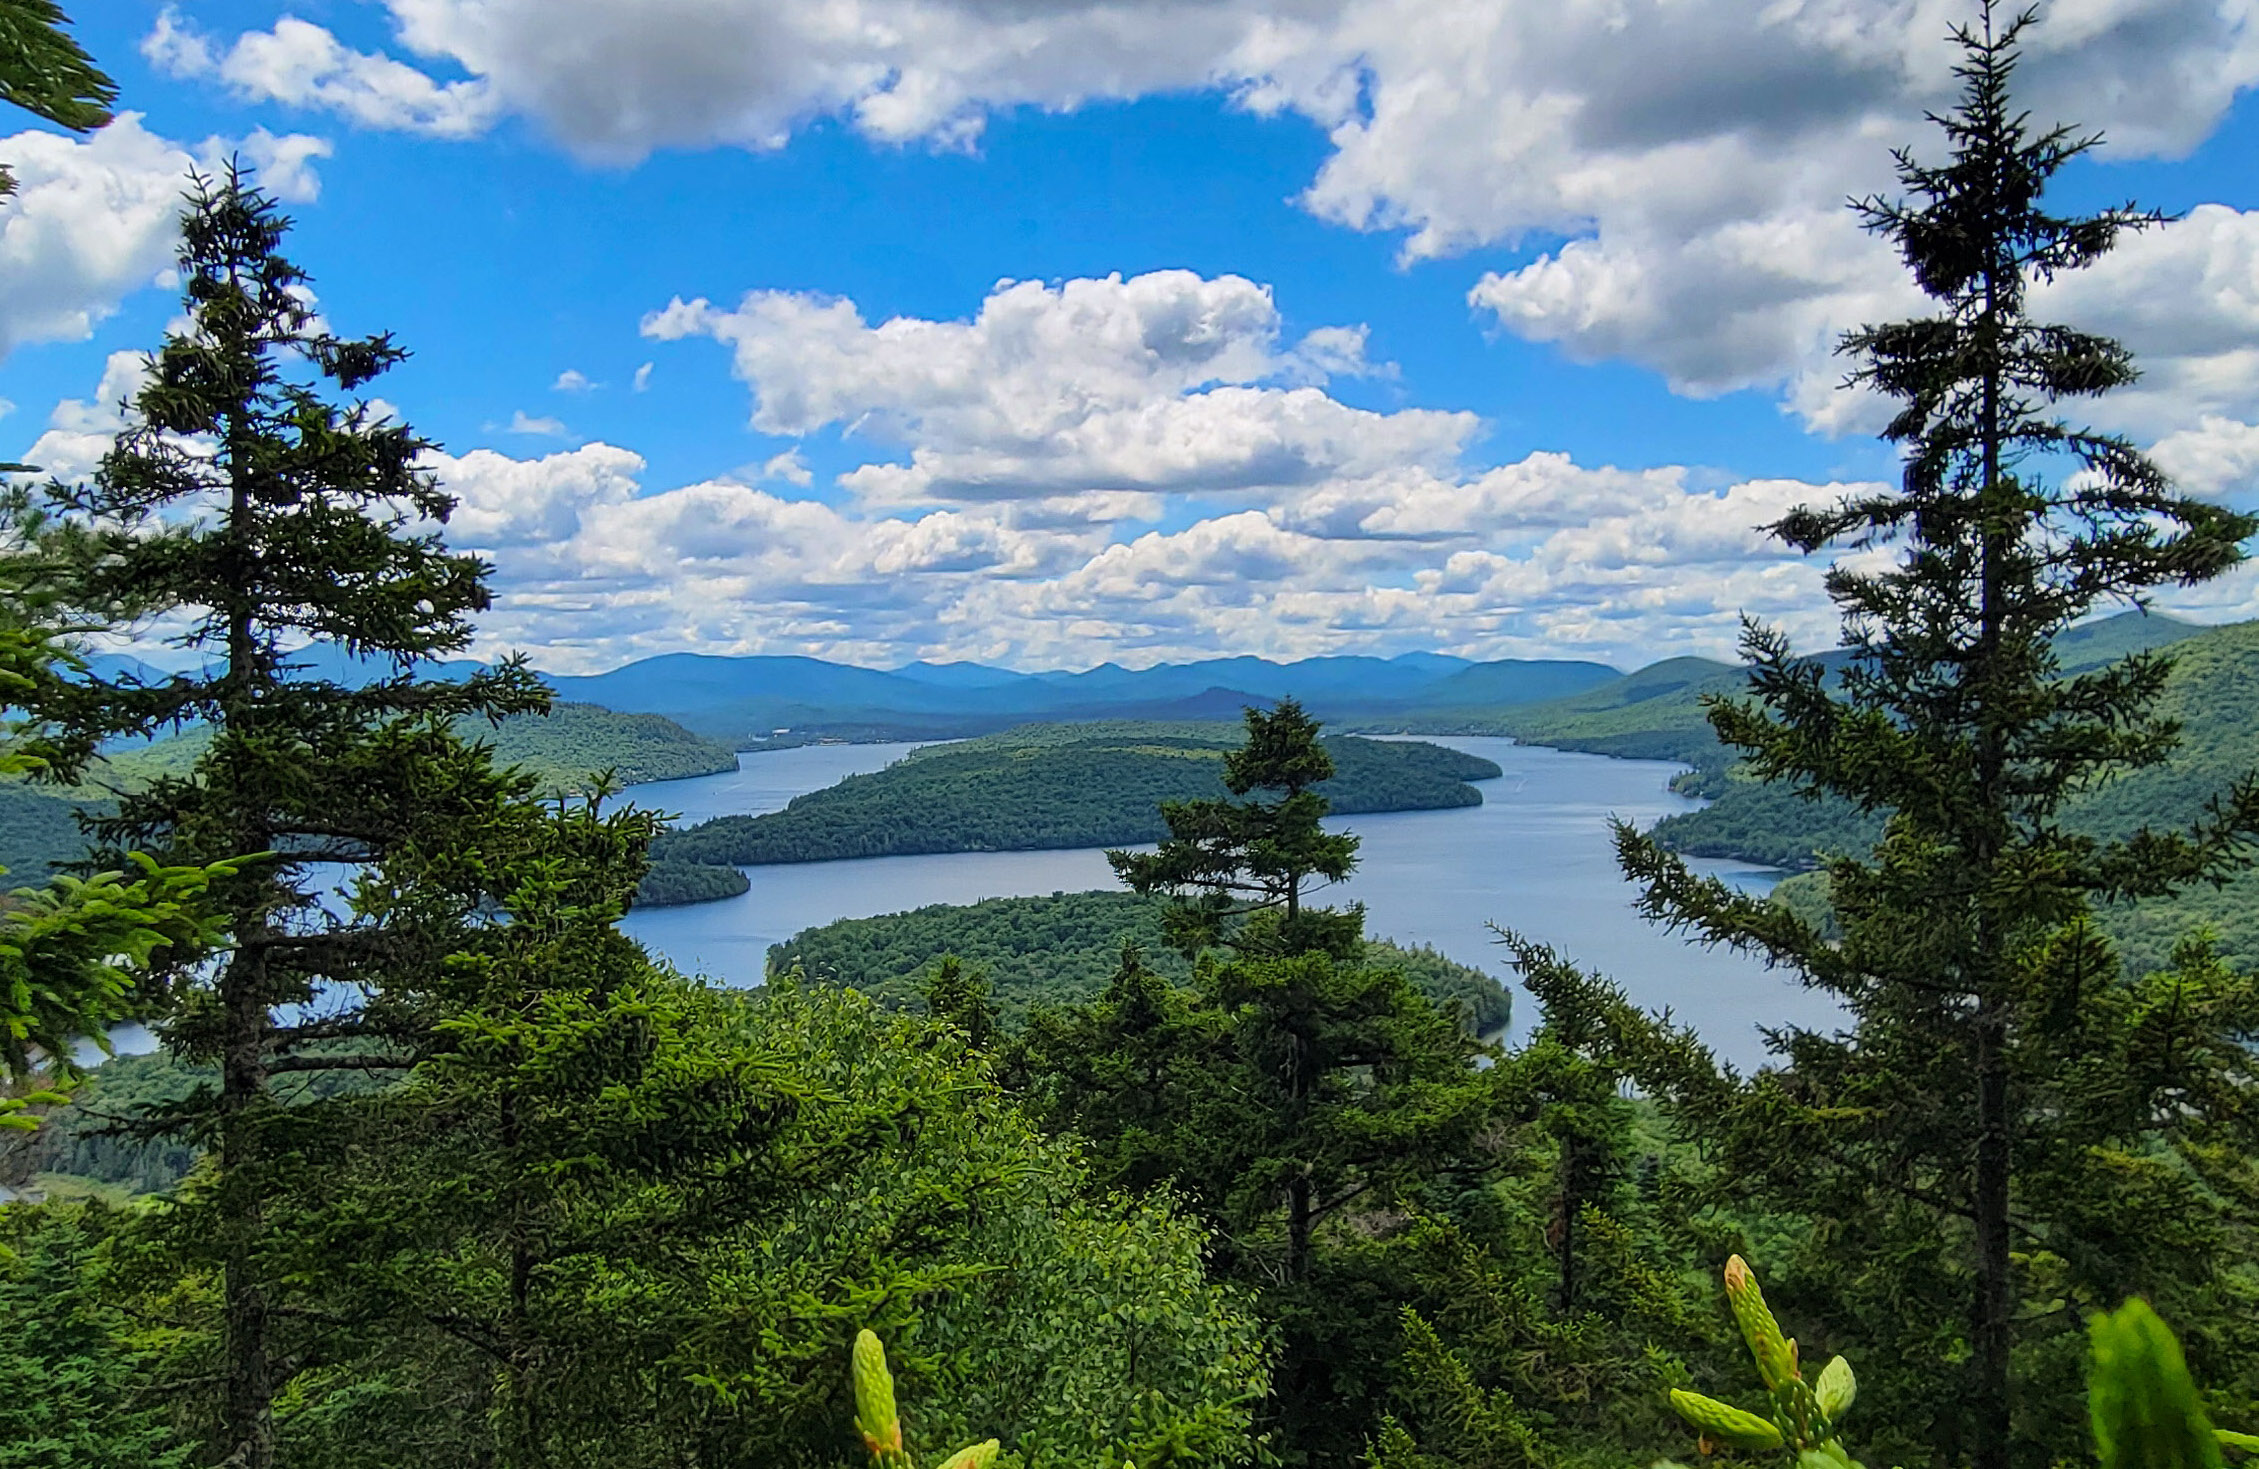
{"points": [[1534, 857]]}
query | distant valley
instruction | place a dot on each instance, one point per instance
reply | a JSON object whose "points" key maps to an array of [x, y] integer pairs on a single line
{"points": [[1012, 786]]}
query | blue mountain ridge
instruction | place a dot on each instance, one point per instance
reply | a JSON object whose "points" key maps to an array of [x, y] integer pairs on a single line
{"points": [[753, 697]]}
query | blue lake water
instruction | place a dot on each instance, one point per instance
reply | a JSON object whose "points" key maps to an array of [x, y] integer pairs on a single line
{"points": [[1534, 857]]}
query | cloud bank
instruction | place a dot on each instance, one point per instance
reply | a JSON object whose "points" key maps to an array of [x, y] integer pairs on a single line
{"points": [[1681, 167], [1140, 469]]}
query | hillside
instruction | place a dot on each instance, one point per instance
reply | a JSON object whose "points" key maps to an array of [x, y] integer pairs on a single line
{"points": [[1653, 714], [2213, 692], [1054, 950], [563, 750], [1656, 712], [1051, 786]]}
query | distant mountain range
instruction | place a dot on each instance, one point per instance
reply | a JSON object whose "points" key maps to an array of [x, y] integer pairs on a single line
{"points": [[764, 700], [753, 702]]}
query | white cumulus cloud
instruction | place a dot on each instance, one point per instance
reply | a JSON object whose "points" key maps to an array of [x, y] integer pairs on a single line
{"points": [[92, 219], [1166, 382], [303, 65], [522, 422]]}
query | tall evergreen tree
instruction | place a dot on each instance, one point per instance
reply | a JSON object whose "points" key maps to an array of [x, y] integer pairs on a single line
{"points": [[1292, 1092], [1238, 869], [2010, 524], [256, 516]]}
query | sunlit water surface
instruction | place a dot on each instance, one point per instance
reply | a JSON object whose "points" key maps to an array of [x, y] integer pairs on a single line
{"points": [[1534, 857]]}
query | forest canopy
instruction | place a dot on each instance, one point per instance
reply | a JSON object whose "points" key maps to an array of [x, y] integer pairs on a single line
{"points": [[1063, 949]]}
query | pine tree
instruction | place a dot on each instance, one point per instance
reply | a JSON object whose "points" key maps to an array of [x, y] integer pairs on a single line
{"points": [[2010, 524], [253, 516], [1238, 869]]}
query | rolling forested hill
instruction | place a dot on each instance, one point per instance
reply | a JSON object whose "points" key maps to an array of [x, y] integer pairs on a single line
{"points": [[2214, 694], [563, 749], [765, 701], [1062, 948], [1656, 712], [1052, 786]]}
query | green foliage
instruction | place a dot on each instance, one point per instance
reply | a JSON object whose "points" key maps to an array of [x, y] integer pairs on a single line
{"points": [[565, 750], [74, 1380], [880, 1423], [1772, 824], [1062, 949], [75, 954], [672, 884], [2210, 694], [1053, 786], [1295, 1103], [45, 72], [1234, 870], [813, 1166], [315, 523], [1801, 1418], [2143, 1406], [1957, 1118], [2133, 1152], [960, 996]]}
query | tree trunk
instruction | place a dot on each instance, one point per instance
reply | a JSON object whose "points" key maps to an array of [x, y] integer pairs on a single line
{"points": [[244, 988], [1992, 1326], [1990, 1337], [1298, 1227], [249, 1421]]}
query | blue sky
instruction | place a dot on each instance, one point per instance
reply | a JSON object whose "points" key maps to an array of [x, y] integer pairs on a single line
{"points": [[1344, 325]]}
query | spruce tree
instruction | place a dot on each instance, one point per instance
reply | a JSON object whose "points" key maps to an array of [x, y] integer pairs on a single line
{"points": [[248, 515], [1297, 1096], [1237, 870], [1951, 719]]}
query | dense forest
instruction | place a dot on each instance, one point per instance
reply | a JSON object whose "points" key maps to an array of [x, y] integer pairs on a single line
{"points": [[1045, 786], [1032, 952], [1061, 949]]}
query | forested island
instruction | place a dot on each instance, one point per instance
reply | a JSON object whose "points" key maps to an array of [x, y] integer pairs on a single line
{"points": [[1063, 948], [1049, 786]]}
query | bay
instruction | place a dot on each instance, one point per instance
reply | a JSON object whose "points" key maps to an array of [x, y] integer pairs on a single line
{"points": [[1535, 857]]}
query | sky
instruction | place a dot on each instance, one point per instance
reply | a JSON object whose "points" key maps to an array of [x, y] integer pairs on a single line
{"points": [[1045, 333]]}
